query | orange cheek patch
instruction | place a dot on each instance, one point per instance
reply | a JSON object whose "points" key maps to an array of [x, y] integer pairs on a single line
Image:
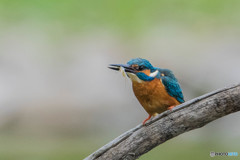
{"points": [[146, 71], [134, 65]]}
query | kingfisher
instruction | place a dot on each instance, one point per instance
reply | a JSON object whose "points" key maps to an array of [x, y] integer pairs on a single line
{"points": [[156, 89]]}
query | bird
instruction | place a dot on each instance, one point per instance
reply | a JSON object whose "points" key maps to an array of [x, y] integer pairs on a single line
{"points": [[156, 89]]}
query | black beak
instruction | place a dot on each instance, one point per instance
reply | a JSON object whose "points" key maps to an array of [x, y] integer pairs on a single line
{"points": [[127, 68]]}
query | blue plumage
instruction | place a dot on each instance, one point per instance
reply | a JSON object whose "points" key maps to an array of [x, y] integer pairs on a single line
{"points": [[144, 77], [171, 84], [141, 62]]}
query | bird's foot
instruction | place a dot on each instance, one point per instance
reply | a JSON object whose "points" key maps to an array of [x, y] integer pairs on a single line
{"points": [[146, 119], [170, 108]]}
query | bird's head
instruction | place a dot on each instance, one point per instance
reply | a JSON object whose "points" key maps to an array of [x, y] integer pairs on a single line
{"points": [[137, 69]]}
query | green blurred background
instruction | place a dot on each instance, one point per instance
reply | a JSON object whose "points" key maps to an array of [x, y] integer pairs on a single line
{"points": [[59, 101]]}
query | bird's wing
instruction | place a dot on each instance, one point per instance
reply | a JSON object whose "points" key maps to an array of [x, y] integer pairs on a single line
{"points": [[173, 88]]}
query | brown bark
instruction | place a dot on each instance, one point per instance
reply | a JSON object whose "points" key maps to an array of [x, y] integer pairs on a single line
{"points": [[185, 117]]}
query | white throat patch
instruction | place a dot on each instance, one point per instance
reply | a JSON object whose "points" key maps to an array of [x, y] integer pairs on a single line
{"points": [[134, 77]]}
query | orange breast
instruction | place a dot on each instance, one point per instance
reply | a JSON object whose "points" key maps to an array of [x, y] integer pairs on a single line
{"points": [[153, 96]]}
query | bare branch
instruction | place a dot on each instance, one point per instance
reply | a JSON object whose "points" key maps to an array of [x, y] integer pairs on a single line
{"points": [[185, 117]]}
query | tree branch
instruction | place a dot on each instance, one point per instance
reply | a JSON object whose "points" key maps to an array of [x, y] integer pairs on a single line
{"points": [[185, 117]]}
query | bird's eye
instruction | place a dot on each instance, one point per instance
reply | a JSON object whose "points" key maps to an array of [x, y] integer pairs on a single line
{"points": [[140, 68]]}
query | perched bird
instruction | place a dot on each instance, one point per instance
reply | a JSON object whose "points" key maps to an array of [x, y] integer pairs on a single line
{"points": [[156, 89]]}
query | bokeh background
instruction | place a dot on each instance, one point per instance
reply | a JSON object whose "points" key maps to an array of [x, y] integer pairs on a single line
{"points": [[58, 99]]}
